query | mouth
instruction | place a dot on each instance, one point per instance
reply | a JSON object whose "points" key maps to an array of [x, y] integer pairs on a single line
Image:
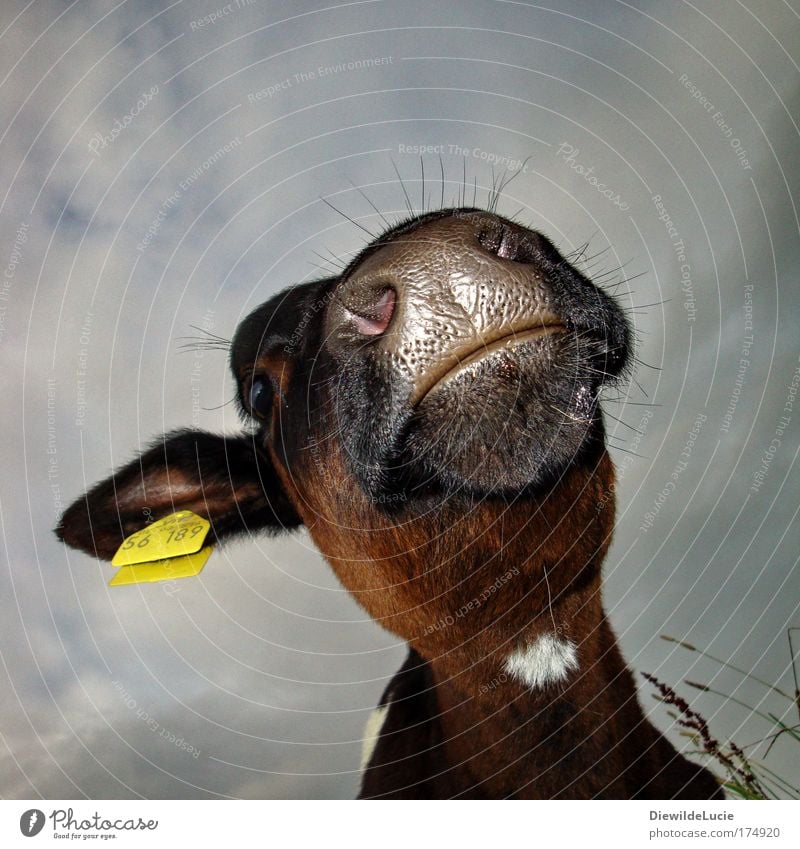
{"points": [[488, 346]]}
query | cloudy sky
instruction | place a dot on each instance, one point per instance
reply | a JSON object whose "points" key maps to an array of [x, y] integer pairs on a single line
{"points": [[162, 165]]}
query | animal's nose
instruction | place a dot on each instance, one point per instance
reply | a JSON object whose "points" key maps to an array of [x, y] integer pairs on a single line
{"points": [[373, 308], [434, 293]]}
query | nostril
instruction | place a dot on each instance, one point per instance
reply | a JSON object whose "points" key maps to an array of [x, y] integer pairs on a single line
{"points": [[512, 243], [490, 237], [374, 319], [499, 240]]}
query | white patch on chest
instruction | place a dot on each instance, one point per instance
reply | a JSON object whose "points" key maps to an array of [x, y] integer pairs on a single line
{"points": [[372, 730], [547, 660]]}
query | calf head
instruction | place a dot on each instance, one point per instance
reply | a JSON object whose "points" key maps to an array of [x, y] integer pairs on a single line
{"points": [[430, 415]]}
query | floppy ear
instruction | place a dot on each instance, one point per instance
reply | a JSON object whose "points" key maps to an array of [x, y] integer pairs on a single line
{"points": [[227, 480]]}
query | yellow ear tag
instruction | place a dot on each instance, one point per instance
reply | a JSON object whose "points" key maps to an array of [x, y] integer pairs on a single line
{"points": [[173, 536], [184, 566]]}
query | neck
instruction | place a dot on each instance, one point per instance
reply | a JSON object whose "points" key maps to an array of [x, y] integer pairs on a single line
{"points": [[467, 581], [518, 672], [543, 716]]}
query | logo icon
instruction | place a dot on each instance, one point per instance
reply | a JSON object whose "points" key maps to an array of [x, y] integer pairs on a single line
{"points": [[31, 822]]}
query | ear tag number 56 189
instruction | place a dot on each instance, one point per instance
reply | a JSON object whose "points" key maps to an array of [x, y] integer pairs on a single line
{"points": [[173, 536]]}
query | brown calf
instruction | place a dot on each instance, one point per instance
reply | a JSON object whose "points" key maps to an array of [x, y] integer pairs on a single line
{"points": [[431, 416]]}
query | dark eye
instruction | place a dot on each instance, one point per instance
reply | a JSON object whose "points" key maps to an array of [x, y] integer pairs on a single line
{"points": [[259, 396]]}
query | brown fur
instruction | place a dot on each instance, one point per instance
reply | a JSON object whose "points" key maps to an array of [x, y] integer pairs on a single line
{"points": [[487, 735]]}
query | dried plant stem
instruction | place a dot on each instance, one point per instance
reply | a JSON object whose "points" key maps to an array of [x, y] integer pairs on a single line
{"points": [[741, 777], [727, 664]]}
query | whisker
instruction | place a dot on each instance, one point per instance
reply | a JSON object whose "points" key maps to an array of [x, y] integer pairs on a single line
{"points": [[624, 424], [207, 333], [422, 172], [220, 406], [441, 168], [628, 451], [403, 187], [369, 201], [336, 263], [639, 361], [348, 218]]}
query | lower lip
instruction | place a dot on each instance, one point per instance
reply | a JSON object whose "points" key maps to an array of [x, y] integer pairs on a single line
{"points": [[513, 340]]}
